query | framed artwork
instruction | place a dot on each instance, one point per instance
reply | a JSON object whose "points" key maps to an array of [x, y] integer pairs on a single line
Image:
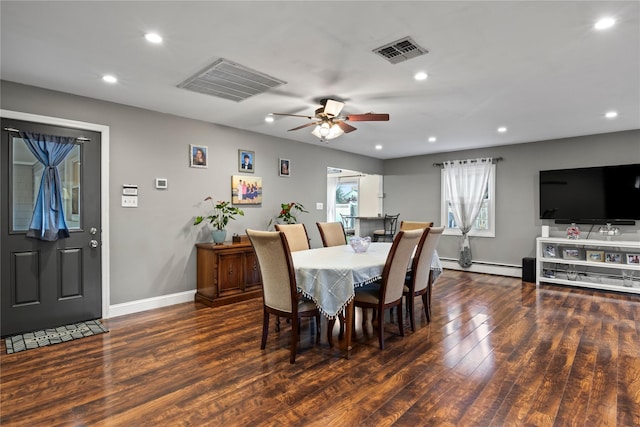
{"points": [[595, 256], [246, 190], [198, 157], [633, 258], [568, 253], [613, 257], [246, 161], [550, 251], [285, 167]]}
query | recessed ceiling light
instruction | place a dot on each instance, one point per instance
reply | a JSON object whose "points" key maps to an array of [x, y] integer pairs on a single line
{"points": [[611, 114], [378, 147], [269, 119], [109, 78], [604, 23], [421, 75], [432, 139], [153, 38], [502, 129]]}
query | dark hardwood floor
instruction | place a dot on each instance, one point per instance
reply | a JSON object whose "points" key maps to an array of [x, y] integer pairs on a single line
{"points": [[498, 352]]}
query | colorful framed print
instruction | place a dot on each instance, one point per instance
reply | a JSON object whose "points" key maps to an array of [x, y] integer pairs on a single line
{"points": [[246, 161], [285, 167], [570, 253], [246, 190], [633, 258], [198, 156], [550, 251], [595, 256], [613, 257]]}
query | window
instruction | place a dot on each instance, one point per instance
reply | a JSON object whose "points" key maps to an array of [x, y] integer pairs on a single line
{"points": [[485, 222]]}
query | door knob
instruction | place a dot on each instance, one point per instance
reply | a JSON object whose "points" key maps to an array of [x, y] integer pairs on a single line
{"points": [[93, 244]]}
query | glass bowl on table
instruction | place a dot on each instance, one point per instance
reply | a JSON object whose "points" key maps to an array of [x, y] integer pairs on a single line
{"points": [[360, 244]]}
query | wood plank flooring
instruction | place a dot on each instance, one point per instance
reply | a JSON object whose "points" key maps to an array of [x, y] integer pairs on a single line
{"points": [[498, 352]]}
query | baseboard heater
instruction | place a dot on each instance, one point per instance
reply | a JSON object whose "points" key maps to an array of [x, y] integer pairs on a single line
{"points": [[487, 267]]}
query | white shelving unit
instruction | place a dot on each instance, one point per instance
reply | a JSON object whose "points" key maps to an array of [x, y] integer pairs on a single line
{"points": [[576, 263]]}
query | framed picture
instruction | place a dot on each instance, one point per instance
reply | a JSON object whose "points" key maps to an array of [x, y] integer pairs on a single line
{"points": [[246, 161], [633, 258], [246, 190], [571, 253], [198, 157], [285, 167], [595, 256], [550, 251], [613, 257]]}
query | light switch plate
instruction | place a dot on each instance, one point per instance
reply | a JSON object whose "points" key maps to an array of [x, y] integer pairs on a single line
{"points": [[129, 201], [319, 206]]}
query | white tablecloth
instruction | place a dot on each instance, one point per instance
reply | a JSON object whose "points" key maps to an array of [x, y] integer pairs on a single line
{"points": [[330, 275]]}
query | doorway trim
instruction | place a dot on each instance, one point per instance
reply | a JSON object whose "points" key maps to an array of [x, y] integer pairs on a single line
{"points": [[104, 185]]}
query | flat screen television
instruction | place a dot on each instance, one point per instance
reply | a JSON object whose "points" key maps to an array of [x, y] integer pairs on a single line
{"points": [[595, 195]]}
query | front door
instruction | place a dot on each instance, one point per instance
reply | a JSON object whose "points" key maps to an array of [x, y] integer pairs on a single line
{"points": [[49, 284]]}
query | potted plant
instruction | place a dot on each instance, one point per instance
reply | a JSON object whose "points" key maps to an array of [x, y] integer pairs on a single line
{"points": [[222, 213], [288, 212]]}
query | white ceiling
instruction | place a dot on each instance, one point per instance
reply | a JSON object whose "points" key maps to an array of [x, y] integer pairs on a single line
{"points": [[538, 67]]}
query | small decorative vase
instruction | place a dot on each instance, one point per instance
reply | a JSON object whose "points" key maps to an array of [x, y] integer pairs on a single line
{"points": [[573, 232], [219, 236]]}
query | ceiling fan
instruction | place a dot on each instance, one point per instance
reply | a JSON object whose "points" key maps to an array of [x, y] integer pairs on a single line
{"points": [[328, 122]]}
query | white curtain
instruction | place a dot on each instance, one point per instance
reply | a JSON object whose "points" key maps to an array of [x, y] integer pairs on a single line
{"points": [[466, 182], [332, 184]]}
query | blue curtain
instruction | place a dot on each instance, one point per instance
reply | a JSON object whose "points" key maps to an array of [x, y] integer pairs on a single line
{"points": [[48, 221]]}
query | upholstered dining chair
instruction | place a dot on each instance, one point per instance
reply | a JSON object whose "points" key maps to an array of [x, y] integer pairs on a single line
{"points": [[389, 231], [414, 225], [420, 280], [332, 233], [297, 236], [388, 291], [281, 296], [348, 222]]}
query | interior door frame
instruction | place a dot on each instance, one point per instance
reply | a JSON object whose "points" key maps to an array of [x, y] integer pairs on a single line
{"points": [[104, 186]]}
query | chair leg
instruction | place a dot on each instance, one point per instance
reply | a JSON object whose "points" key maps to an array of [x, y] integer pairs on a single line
{"points": [[400, 322], [410, 306], [295, 330], [318, 328], [330, 325], [427, 310], [381, 330], [277, 323], [265, 329]]}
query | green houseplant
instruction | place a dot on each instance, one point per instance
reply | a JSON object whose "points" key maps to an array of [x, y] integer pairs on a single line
{"points": [[223, 212], [288, 212]]}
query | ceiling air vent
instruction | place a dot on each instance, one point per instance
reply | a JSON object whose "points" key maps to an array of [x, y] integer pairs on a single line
{"points": [[228, 80], [400, 50]]}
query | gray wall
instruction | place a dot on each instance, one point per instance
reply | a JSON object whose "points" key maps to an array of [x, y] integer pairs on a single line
{"points": [[152, 247], [517, 209]]}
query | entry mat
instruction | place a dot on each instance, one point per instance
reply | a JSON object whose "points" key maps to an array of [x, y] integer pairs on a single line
{"points": [[52, 336]]}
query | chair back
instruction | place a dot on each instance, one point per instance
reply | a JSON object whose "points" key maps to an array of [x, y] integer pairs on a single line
{"points": [[297, 236], [332, 233], [390, 224], [421, 267], [348, 221], [395, 268], [276, 268], [414, 225]]}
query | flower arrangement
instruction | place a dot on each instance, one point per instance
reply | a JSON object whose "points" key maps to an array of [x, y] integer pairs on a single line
{"points": [[222, 213], [288, 212]]}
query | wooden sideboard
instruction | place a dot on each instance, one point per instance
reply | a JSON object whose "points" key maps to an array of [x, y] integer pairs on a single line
{"points": [[227, 273]]}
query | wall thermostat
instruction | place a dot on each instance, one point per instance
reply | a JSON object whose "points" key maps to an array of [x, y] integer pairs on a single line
{"points": [[129, 190], [161, 183]]}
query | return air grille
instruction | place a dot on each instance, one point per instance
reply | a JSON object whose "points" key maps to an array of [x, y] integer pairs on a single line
{"points": [[400, 50], [228, 80]]}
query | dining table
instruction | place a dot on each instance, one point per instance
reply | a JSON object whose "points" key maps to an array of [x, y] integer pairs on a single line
{"points": [[329, 277]]}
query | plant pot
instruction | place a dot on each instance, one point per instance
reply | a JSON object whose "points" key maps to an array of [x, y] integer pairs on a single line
{"points": [[219, 236]]}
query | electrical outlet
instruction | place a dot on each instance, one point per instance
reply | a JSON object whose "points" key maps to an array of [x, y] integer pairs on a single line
{"points": [[129, 201]]}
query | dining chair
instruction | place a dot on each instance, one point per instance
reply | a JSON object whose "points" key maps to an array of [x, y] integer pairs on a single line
{"points": [[388, 291], [420, 280], [281, 296], [332, 233], [348, 222], [414, 225], [297, 236], [389, 231]]}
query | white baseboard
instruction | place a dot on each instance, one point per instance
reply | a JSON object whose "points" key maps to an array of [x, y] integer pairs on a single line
{"points": [[150, 303], [500, 270]]}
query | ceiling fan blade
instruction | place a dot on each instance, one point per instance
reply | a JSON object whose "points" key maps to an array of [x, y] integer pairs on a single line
{"points": [[291, 115], [369, 117], [333, 108], [306, 125], [346, 128]]}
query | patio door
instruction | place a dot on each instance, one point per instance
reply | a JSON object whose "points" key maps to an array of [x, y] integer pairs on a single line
{"points": [[46, 284]]}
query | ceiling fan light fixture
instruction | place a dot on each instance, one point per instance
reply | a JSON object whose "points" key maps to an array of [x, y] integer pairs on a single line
{"points": [[326, 131]]}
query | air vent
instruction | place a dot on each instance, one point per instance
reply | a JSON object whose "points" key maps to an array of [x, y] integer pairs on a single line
{"points": [[400, 50], [228, 80]]}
